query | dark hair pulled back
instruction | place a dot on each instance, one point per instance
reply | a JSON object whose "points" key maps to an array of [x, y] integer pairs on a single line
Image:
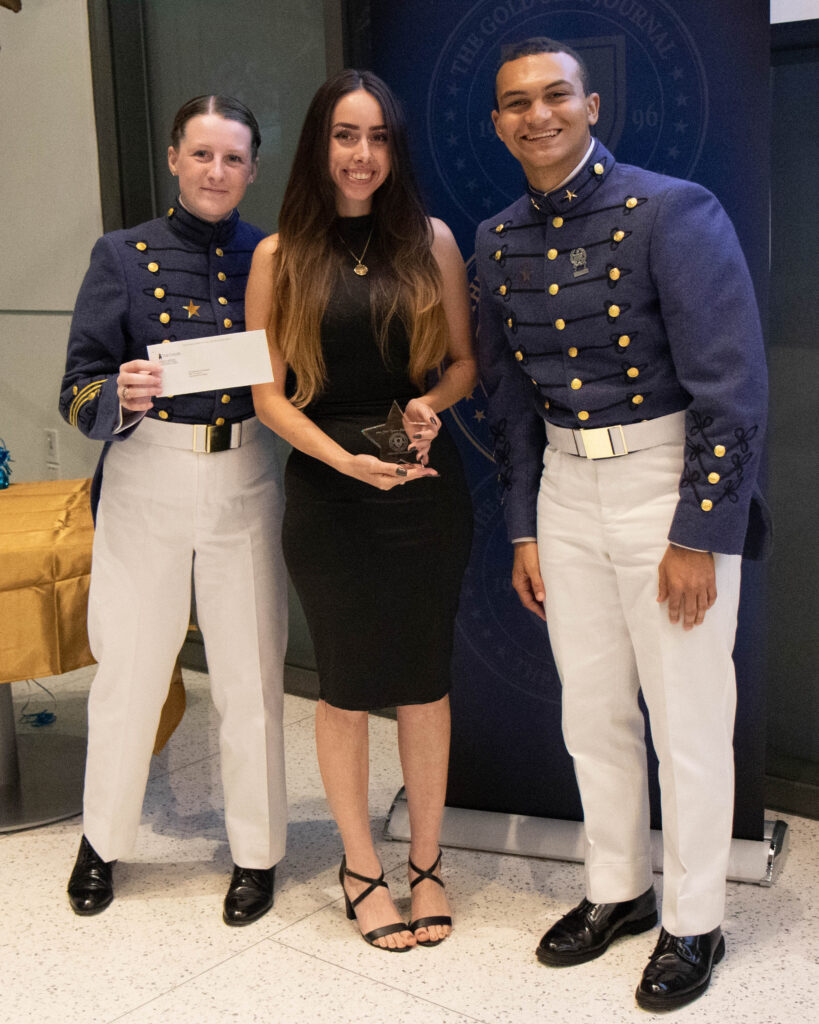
{"points": [[225, 106]]}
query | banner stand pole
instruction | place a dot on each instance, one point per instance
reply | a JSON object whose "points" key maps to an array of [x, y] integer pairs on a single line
{"points": [[757, 862]]}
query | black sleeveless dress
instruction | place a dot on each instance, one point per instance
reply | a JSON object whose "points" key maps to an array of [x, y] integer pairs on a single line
{"points": [[378, 573]]}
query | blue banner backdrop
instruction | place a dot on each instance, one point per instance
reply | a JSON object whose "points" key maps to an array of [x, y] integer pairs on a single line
{"points": [[684, 91]]}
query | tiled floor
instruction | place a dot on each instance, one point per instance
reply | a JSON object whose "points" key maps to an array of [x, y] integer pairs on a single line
{"points": [[160, 953]]}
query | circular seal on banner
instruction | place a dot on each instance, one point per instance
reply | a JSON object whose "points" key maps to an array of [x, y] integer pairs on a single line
{"points": [[508, 643], [642, 60]]}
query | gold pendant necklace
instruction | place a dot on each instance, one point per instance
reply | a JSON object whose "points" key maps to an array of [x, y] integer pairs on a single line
{"points": [[359, 267]]}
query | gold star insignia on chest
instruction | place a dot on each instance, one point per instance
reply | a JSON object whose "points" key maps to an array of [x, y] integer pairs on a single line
{"points": [[191, 309], [570, 195]]}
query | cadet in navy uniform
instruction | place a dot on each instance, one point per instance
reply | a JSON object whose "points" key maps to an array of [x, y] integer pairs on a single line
{"points": [[191, 479], [618, 321]]}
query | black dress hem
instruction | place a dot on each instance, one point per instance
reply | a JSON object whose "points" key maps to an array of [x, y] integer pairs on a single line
{"points": [[387, 704]]}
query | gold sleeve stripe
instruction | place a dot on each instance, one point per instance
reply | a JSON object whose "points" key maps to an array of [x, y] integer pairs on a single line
{"points": [[85, 401], [74, 407], [88, 392], [85, 390]]}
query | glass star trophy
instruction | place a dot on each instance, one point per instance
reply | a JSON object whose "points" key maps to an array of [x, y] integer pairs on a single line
{"points": [[390, 438]]}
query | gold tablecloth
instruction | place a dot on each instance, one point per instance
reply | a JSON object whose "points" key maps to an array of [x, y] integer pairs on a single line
{"points": [[46, 534]]}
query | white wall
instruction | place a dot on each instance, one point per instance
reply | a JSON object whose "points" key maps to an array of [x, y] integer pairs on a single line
{"points": [[50, 202]]}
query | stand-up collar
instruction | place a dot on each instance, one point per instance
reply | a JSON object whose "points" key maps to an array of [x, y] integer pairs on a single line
{"points": [[202, 232], [572, 193]]}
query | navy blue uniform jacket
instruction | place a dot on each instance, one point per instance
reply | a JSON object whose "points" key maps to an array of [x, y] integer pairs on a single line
{"points": [[171, 278], [619, 297]]}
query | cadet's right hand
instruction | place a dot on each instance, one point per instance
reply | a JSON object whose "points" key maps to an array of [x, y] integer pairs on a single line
{"points": [[526, 578]]}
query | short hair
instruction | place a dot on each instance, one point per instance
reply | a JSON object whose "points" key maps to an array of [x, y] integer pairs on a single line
{"points": [[540, 44], [225, 106]]}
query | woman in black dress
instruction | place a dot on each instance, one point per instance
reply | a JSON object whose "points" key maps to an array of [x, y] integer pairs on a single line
{"points": [[362, 296]]}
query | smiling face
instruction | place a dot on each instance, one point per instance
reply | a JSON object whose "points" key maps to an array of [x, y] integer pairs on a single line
{"points": [[359, 157], [214, 165], [544, 115]]}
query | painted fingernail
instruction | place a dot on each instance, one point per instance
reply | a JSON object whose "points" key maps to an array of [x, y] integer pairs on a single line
{"points": [[417, 437], [400, 471]]}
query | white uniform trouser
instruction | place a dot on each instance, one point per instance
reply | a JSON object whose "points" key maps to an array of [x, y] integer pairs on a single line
{"points": [[602, 531], [161, 509]]}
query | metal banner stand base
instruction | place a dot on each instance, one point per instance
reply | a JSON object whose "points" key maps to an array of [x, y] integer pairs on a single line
{"points": [[756, 861], [41, 773]]}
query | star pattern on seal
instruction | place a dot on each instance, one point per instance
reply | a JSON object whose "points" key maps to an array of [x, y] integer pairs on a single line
{"points": [[191, 309]]}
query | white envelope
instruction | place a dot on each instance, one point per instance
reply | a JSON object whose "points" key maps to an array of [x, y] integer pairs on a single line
{"points": [[213, 364]]}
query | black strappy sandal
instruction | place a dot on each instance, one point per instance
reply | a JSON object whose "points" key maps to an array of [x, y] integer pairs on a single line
{"points": [[426, 922], [373, 884]]}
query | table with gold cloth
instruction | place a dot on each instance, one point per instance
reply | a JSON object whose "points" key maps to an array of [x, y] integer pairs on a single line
{"points": [[46, 534]]}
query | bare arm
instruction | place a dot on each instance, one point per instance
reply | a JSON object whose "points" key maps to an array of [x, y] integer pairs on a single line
{"points": [[461, 373], [460, 376], [276, 411]]}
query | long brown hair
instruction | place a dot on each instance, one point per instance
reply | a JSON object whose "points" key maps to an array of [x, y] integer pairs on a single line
{"points": [[305, 264]]}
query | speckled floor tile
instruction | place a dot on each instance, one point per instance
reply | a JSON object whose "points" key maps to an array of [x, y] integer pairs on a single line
{"points": [[161, 951], [269, 984], [488, 971], [153, 937]]}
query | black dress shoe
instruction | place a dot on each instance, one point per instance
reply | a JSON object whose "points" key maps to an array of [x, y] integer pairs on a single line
{"points": [[588, 930], [249, 895], [679, 969], [91, 886]]}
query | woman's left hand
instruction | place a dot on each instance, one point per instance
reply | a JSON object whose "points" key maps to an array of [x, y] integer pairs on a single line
{"points": [[421, 424]]}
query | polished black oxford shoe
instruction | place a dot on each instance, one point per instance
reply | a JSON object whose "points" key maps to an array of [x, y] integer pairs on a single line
{"points": [[249, 895], [91, 886], [588, 930], [679, 969]]}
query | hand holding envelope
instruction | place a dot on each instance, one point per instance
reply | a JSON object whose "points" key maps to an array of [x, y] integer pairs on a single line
{"points": [[214, 363], [138, 383]]}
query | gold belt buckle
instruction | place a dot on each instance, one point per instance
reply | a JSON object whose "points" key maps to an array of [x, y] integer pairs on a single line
{"points": [[211, 437], [598, 442]]}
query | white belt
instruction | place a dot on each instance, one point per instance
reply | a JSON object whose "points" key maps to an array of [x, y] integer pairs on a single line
{"points": [[620, 439], [203, 438]]}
